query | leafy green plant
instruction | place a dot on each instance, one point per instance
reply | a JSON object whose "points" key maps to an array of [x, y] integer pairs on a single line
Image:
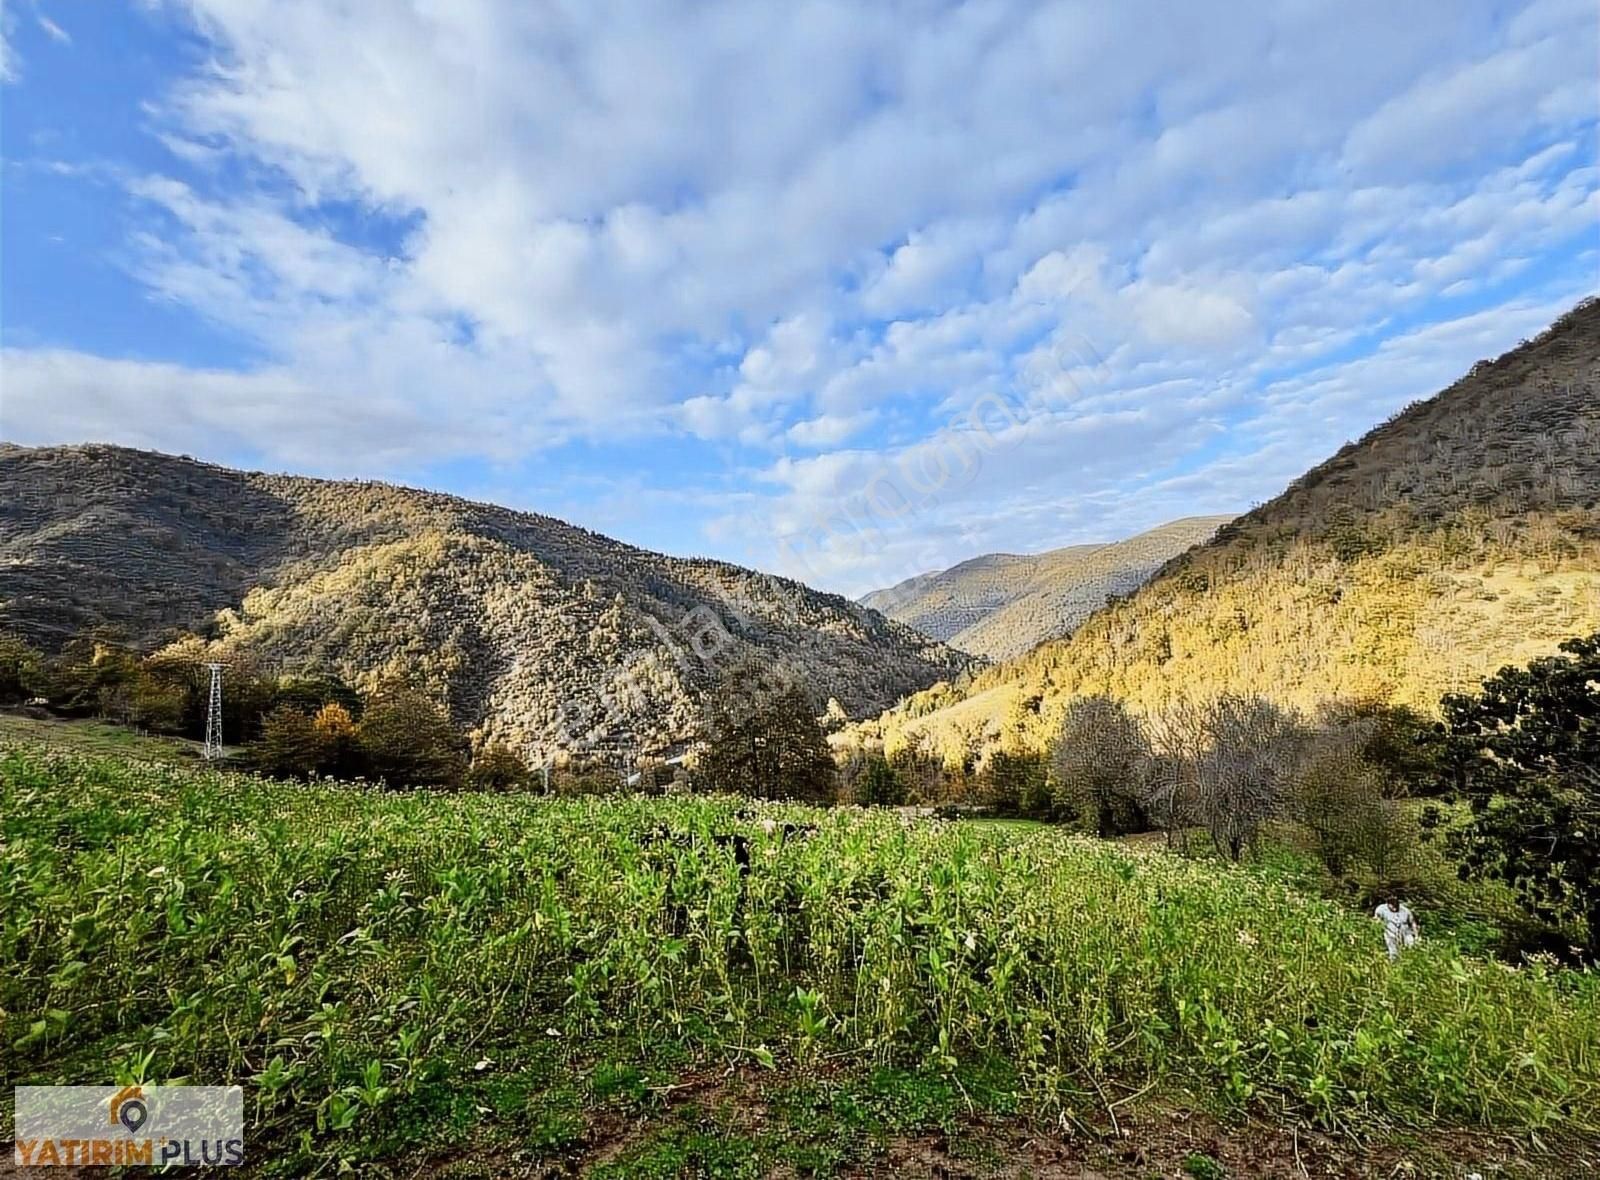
{"points": [[361, 959]]}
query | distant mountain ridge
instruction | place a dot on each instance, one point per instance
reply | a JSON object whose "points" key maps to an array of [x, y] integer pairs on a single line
{"points": [[1458, 537], [531, 628], [1000, 605]]}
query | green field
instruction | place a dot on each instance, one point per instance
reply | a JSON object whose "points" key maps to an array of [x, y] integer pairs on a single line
{"points": [[421, 978], [93, 737]]}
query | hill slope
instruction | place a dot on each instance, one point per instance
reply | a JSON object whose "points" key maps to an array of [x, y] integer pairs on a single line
{"points": [[1002, 604], [514, 617], [1459, 536]]}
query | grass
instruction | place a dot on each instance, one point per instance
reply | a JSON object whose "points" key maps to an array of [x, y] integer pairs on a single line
{"points": [[400, 972], [96, 738]]}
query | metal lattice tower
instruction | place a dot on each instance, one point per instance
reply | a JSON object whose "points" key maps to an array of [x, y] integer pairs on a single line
{"points": [[214, 715]]}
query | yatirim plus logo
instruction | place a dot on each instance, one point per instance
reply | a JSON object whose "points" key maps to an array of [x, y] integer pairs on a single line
{"points": [[129, 1126], [128, 1108]]}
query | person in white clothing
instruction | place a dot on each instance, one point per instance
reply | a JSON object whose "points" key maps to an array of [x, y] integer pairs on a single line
{"points": [[1400, 929]]}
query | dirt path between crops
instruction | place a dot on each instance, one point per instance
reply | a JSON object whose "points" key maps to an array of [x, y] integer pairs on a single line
{"points": [[1167, 1144], [1147, 1143], [1151, 1142]]}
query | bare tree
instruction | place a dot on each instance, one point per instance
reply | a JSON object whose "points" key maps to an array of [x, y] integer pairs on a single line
{"points": [[1172, 790], [1100, 759], [1243, 774]]}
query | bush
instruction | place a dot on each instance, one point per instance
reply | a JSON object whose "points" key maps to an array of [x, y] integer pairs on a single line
{"points": [[407, 740], [498, 768]]}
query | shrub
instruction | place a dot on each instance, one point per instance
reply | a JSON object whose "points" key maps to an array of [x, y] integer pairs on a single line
{"points": [[407, 740], [498, 768]]}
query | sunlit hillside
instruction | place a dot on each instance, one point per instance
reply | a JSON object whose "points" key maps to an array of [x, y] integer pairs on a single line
{"points": [[1460, 536], [1003, 604]]}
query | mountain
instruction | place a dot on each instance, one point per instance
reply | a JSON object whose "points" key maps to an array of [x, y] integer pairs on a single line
{"points": [[1460, 536], [530, 627], [1003, 604]]}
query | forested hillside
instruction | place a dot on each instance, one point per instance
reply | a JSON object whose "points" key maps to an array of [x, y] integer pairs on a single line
{"points": [[533, 630], [1460, 536]]}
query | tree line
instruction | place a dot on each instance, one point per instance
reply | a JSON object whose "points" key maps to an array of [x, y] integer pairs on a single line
{"points": [[1522, 755], [304, 725]]}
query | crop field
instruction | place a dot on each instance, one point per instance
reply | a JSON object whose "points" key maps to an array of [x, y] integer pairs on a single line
{"points": [[407, 973]]}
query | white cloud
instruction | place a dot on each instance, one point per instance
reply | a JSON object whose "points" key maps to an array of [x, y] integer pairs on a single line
{"points": [[1191, 316], [837, 228], [829, 430], [10, 66], [56, 395]]}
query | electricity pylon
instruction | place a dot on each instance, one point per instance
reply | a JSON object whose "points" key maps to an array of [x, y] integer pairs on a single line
{"points": [[214, 715]]}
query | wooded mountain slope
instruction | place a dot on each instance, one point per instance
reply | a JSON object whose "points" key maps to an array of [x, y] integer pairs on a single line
{"points": [[1003, 604], [1460, 536], [510, 616]]}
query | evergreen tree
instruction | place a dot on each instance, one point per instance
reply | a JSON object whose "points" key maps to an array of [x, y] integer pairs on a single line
{"points": [[1529, 744]]}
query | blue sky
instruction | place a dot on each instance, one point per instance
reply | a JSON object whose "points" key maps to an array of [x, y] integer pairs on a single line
{"points": [[844, 291]]}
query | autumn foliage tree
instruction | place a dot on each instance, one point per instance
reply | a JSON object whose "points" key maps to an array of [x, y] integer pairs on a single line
{"points": [[337, 740]]}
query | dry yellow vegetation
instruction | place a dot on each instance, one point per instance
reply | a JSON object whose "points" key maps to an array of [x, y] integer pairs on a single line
{"points": [[1460, 536]]}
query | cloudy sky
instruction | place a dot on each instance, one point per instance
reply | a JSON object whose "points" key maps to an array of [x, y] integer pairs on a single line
{"points": [[843, 290]]}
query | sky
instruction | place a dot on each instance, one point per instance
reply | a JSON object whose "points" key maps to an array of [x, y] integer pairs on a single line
{"points": [[844, 291]]}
